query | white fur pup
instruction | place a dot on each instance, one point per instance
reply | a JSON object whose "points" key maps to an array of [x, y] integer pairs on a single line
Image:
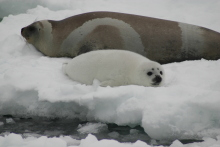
{"points": [[114, 68]]}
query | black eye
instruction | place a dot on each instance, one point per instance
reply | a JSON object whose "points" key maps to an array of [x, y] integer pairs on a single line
{"points": [[161, 72], [149, 73]]}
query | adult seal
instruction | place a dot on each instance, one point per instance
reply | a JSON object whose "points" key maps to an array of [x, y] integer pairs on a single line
{"points": [[159, 40], [114, 68]]}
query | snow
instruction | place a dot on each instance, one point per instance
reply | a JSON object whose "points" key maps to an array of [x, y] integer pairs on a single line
{"points": [[91, 141], [186, 107]]}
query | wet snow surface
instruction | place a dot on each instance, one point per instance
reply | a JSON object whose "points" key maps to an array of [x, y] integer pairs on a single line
{"points": [[43, 107]]}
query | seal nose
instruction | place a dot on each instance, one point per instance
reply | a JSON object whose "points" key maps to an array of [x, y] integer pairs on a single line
{"points": [[22, 30], [157, 79]]}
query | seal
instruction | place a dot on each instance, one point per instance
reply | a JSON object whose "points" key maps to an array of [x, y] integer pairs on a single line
{"points": [[159, 40], [114, 68]]}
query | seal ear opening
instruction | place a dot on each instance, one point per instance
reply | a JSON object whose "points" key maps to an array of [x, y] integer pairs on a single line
{"points": [[64, 67]]}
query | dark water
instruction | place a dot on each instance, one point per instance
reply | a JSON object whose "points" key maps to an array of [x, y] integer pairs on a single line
{"points": [[56, 127]]}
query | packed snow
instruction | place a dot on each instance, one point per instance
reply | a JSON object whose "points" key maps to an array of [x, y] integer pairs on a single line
{"points": [[31, 84]]}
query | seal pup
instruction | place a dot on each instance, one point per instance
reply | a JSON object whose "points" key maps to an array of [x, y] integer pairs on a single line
{"points": [[159, 40], [114, 68]]}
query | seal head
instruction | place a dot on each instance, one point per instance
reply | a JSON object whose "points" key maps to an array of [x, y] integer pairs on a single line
{"points": [[151, 72], [40, 35]]}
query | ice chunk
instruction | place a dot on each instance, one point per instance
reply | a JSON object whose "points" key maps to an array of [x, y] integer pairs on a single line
{"points": [[92, 128], [10, 121], [114, 134], [176, 143]]}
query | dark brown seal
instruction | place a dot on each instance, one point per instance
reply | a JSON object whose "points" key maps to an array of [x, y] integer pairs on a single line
{"points": [[159, 40]]}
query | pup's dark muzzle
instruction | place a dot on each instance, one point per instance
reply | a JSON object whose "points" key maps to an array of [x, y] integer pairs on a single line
{"points": [[157, 80]]}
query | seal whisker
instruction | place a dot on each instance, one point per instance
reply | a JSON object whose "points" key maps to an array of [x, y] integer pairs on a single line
{"points": [[35, 20]]}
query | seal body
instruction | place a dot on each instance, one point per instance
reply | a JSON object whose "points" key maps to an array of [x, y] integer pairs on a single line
{"points": [[159, 40], [114, 68]]}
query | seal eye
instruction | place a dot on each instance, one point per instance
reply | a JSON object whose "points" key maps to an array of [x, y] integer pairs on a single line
{"points": [[149, 73], [161, 72]]}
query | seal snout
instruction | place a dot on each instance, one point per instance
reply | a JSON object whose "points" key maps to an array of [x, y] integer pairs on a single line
{"points": [[26, 32], [22, 30], [157, 80]]}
